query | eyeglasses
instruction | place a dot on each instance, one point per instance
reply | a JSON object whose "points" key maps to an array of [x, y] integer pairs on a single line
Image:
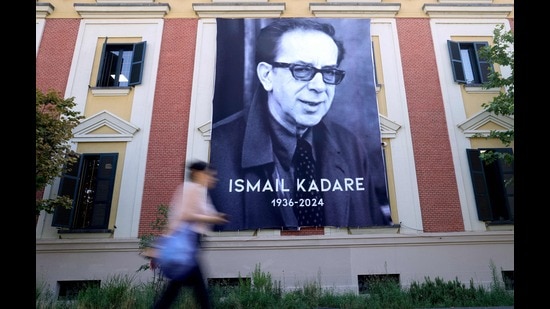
{"points": [[306, 72]]}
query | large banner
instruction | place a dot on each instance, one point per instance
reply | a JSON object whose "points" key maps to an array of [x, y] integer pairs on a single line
{"points": [[296, 135]]}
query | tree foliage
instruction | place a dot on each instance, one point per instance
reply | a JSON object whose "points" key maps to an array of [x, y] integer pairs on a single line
{"points": [[501, 53], [55, 120]]}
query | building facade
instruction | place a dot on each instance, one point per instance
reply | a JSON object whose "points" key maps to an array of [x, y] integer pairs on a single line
{"points": [[139, 131]]}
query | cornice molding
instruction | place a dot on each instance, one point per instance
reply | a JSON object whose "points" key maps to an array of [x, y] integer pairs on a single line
{"points": [[466, 1], [239, 1], [239, 9], [355, 9], [206, 130], [122, 9], [124, 1], [356, 1], [467, 10], [388, 128], [243, 240], [43, 9], [472, 126], [84, 132]]}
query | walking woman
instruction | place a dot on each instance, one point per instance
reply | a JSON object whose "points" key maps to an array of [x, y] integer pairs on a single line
{"points": [[191, 204]]}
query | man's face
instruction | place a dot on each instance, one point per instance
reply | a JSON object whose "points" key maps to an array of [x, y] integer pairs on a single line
{"points": [[302, 104]]}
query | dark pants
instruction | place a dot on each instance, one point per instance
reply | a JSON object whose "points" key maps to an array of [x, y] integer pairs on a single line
{"points": [[195, 280]]}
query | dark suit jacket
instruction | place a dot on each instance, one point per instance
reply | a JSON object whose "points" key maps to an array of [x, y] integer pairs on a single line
{"points": [[242, 148]]}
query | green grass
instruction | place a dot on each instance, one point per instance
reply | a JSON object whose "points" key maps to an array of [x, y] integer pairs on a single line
{"points": [[262, 292]]}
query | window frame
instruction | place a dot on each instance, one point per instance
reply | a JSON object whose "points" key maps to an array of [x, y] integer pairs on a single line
{"points": [[72, 183], [494, 198], [136, 66], [480, 67]]}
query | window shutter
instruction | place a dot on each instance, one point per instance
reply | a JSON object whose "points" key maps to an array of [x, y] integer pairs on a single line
{"points": [[456, 62], [137, 63], [104, 191], [68, 186], [507, 174], [101, 75], [481, 191], [484, 67], [494, 198]]}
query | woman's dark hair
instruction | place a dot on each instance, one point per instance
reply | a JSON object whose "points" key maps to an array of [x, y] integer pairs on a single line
{"points": [[267, 42], [198, 166]]}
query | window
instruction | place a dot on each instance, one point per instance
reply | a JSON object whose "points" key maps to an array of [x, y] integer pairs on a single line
{"points": [[508, 278], [468, 67], [228, 283], [368, 282], [121, 65], [89, 182], [68, 290], [493, 190]]}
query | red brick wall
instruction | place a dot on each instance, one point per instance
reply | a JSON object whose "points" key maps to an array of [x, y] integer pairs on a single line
{"points": [[171, 106], [439, 201], [55, 54], [53, 61]]}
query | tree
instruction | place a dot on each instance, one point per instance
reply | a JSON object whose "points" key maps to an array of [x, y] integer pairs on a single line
{"points": [[55, 120], [501, 53]]}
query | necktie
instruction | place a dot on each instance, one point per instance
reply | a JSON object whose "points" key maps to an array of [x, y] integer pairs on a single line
{"points": [[306, 204]]}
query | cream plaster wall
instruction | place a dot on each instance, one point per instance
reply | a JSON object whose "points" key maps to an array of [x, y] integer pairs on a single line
{"points": [[334, 262]]}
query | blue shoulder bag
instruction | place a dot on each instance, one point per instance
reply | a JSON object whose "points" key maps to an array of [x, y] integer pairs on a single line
{"points": [[177, 252]]}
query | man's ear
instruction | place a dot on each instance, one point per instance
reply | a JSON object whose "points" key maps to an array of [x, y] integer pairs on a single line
{"points": [[263, 70]]}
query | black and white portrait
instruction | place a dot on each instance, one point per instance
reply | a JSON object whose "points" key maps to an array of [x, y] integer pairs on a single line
{"points": [[296, 135]]}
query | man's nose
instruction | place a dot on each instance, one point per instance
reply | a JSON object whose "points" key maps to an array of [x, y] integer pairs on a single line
{"points": [[317, 82]]}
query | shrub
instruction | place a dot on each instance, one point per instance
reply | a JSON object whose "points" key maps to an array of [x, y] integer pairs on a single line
{"points": [[262, 292]]}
